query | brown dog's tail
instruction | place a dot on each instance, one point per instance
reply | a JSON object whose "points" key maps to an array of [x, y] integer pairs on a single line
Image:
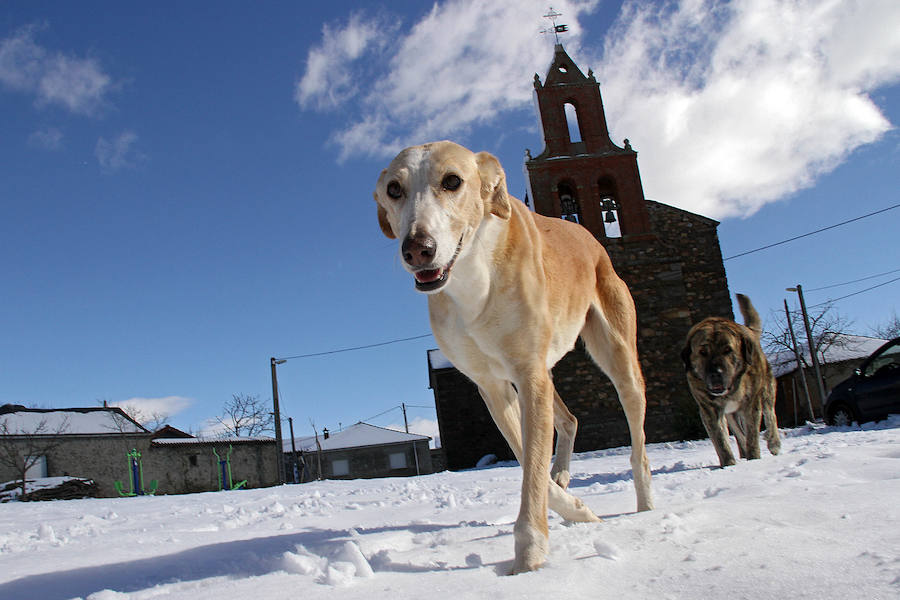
{"points": [[751, 317]]}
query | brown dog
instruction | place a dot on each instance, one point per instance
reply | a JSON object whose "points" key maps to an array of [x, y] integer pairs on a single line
{"points": [[509, 292], [732, 382]]}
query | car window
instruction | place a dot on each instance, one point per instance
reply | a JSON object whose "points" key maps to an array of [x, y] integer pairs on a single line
{"points": [[881, 363]]}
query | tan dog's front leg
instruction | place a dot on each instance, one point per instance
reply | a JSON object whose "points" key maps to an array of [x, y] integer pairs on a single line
{"points": [[566, 426], [531, 531]]}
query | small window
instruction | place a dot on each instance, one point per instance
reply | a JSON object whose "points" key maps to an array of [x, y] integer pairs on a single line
{"points": [[398, 460], [340, 467], [193, 460]]}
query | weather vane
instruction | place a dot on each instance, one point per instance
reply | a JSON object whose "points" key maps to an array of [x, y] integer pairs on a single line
{"points": [[557, 29]]}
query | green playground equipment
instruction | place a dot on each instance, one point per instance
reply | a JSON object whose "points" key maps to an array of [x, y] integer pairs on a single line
{"points": [[226, 482], [137, 477]]}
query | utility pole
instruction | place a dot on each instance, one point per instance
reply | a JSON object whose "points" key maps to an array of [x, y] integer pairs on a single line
{"points": [[787, 312], [405, 424], [278, 444], [811, 344], [293, 451]]}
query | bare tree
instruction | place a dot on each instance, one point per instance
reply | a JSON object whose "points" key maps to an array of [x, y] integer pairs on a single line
{"points": [[122, 423], [889, 329], [246, 415], [23, 447], [828, 331]]}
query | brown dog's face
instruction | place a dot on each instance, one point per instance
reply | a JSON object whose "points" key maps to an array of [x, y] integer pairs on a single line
{"points": [[433, 198], [716, 355]]}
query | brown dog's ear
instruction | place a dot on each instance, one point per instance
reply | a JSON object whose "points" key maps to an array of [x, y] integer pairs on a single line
{"points": [[493, 185], [384, 223], [686, 356], [748, 348]]}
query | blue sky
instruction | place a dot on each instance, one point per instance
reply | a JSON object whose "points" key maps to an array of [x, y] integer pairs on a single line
{"points": [[185, 188]]}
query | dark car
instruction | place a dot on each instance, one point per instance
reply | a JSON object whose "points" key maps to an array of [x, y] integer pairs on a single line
{"points": [[871, 393]]}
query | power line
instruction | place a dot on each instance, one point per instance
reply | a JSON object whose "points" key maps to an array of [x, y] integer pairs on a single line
{"points": [[812, 232], [338, 351], [834, 285], [829, 301]]}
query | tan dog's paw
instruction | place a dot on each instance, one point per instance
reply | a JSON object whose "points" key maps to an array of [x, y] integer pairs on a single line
{"points": [[531, 549], [561, 478]]}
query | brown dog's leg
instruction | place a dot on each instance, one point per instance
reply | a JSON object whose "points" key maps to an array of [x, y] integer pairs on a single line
{"points": [[717, 429], [773, 438], [739, 430], [753, 418]]}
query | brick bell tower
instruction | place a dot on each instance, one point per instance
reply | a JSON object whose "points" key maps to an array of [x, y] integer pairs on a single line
{"points": [[582, 175]]}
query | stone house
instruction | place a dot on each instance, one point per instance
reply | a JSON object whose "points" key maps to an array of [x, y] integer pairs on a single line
{"points": [[94, 443], [670, 259], [361, 451]]}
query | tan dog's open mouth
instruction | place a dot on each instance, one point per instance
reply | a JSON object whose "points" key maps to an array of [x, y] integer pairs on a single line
{"points": [[431, 280]]}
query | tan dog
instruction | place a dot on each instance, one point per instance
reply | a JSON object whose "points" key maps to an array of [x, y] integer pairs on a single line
{"points": [[509, 292], [732, 382]]}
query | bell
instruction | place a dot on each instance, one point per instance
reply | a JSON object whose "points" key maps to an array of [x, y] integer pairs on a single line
{"points": [[610, 217]]}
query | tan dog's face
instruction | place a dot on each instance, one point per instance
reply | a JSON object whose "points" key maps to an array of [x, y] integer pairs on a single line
{"points": [[433, 198], [716, 354]]}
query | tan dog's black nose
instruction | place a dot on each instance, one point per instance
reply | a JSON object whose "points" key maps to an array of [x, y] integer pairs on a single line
{"points": [[418, 250]]}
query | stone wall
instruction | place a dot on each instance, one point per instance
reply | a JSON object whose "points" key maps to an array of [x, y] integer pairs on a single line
{"points": [[178, 469]]}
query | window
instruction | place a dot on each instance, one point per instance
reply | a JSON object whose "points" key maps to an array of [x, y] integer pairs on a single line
{"points": [[37, 468], [572, 123], [340, 467], [398, 460], [568, 203], [193, 460]]}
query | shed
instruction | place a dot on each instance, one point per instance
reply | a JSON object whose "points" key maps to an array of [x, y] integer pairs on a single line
{"points": [[361, 451]]}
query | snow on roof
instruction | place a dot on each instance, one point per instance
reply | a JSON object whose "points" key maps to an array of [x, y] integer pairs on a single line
{"points": [[847, 347], [355, 436], [437, 360], [210, 440], [67, 421]]}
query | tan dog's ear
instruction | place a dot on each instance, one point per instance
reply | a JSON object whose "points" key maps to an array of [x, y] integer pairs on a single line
{"points": [[384, 223], [493, 185]]}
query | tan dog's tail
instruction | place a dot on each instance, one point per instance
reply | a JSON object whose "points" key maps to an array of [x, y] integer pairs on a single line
{"points": [[751, 317]]}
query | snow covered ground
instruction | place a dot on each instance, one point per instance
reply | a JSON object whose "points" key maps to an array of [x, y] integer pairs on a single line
{"points": [[822, 520]]}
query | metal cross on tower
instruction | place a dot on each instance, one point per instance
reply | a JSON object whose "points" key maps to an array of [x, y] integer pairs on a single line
{"points": [[556, 29]]}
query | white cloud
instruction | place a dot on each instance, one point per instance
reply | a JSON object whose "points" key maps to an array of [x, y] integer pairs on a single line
{"points": [[735, 105], [119, 152], [166, 405], [464, 63], [77, 84], [731, 105], [49, 138]]}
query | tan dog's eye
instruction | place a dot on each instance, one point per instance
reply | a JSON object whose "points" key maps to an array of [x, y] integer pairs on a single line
{"points": [[451, 182], [394, 190], [704, 352], [726, 351]]}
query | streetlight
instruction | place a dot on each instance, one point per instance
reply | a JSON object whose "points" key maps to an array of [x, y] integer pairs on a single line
{"points": [[280, 464], [810, 343]]}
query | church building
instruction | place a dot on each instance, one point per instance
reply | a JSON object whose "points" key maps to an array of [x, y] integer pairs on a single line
{"points": [[670, 259]]}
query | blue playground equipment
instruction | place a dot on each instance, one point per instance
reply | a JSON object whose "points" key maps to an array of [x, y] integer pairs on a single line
{"points": [[225, 479], [137, 477]]}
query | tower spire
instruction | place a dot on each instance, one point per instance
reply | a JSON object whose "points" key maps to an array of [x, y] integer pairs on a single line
{"points": [[556, 29]]}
